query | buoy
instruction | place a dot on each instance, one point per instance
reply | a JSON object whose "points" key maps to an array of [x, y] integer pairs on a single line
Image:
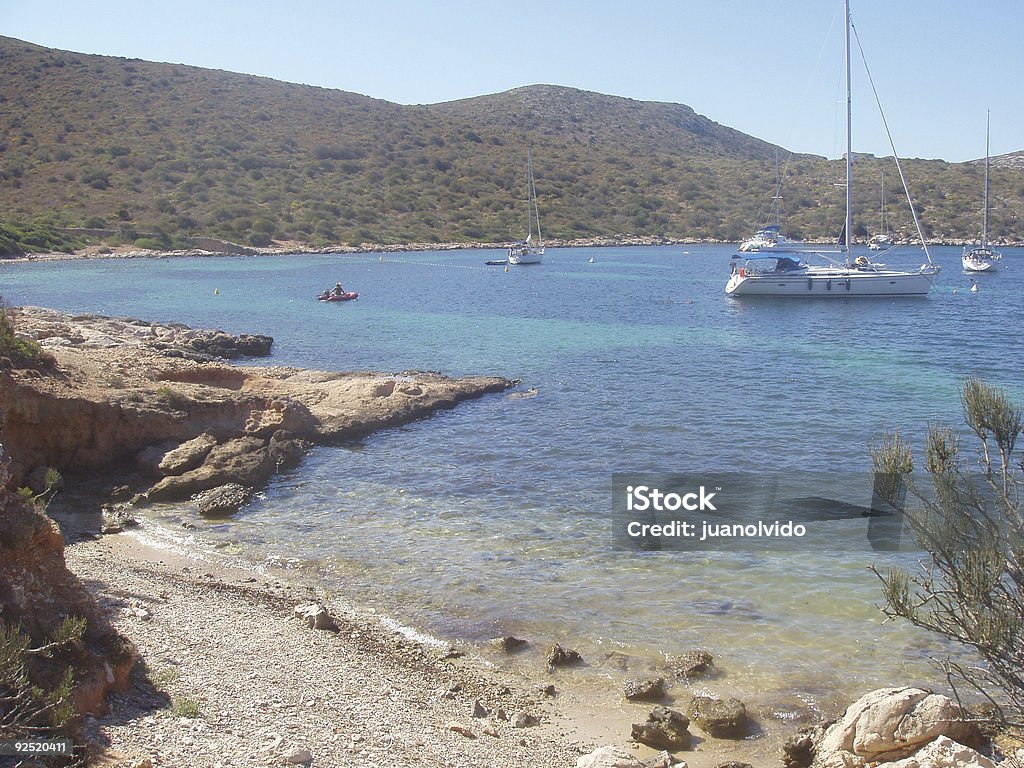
{"points": [[216, 291], [974, 288], [506, 267], [591, 259], [954, 291]]}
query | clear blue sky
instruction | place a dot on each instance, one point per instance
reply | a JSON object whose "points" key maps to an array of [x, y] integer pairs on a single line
{"points": [[770, 69]]}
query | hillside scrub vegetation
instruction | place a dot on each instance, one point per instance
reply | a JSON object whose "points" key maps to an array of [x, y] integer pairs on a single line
{"points": [[118, 144]]}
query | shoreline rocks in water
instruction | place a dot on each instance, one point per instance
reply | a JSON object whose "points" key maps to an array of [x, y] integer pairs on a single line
{"points": [[127, 394]]}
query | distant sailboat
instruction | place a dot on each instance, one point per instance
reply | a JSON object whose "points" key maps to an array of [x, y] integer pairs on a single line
{"points": [[882, 241], [860, 277], [983, 258], [528, 252], [769, 238]]}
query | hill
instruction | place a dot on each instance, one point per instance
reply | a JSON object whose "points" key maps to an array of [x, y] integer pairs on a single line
{"points": [[99, 141]]}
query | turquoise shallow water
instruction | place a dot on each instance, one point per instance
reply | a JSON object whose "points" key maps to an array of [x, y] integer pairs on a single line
{"points": [[494, 518]]}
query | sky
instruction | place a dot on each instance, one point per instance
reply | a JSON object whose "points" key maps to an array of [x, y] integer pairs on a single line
{"points": [[769, 69]]}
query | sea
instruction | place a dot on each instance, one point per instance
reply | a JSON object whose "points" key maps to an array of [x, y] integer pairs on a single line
{"points": [[498, 517]]}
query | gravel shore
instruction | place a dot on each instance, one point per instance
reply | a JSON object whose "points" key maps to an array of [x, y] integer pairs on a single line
{"points": [[232, 677]]}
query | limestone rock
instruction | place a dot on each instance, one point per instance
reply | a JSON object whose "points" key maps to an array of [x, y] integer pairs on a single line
{"points": [[648, 689], [608, 757], [890, 724], [563, 657], [316, 616], [665, 729], [244, 460], [279, 415], [722, 718], [222, 501], [186, 456], [942, 753], [299, 756]]}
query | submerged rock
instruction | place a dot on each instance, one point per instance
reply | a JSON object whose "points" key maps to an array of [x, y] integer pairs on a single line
{"points": [[508, 643], [692, 664], [563, 657], [222, 501], [722, 718], [648, 689]]}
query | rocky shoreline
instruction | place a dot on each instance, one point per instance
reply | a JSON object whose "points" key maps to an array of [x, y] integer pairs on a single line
{"points": [[241, 667], [292, 249]]}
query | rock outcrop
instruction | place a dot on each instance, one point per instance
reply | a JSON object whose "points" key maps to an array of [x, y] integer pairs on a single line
{"points": [[127, 395], [889, 725]]}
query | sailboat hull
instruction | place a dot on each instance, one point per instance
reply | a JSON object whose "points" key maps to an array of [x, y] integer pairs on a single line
{"points": [[525, 255], [973, 265], [834, 283]]}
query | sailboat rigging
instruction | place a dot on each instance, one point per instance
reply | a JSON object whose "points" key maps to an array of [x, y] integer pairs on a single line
{"points": [[528, 251], [766, 274], [983, 258]]}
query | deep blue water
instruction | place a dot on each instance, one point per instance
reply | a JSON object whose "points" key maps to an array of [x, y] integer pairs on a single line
{"points": [[493, 518]]}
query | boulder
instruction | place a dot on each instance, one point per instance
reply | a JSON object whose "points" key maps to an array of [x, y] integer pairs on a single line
{"points": [[722, 718], [665, 729], [187, 456], [942, 753], [244, 460], [222, 501], [563, 657], [286, 450], [890, 724], [648, 689], [798, 751], [608, 757]]}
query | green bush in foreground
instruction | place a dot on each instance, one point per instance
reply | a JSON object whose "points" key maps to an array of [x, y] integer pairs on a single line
{"points": [[29, 710], [970, 589]]}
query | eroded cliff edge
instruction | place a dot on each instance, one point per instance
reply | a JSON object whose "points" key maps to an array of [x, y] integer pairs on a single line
{"points": [[124, 393]]}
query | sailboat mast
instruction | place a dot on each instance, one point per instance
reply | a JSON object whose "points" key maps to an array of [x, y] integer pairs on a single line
{"points": [[849, 141], [984, 231]]}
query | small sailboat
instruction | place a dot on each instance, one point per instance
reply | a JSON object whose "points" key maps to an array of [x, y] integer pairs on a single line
{"points": [[983, 257], [528, 251], [786, 275], [882, 241], [769, 238]]}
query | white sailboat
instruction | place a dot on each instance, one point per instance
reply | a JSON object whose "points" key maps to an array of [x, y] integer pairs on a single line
{"points": [[983, 258], [769, 238], [782, 275], [882, 241], [527, 251]]}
